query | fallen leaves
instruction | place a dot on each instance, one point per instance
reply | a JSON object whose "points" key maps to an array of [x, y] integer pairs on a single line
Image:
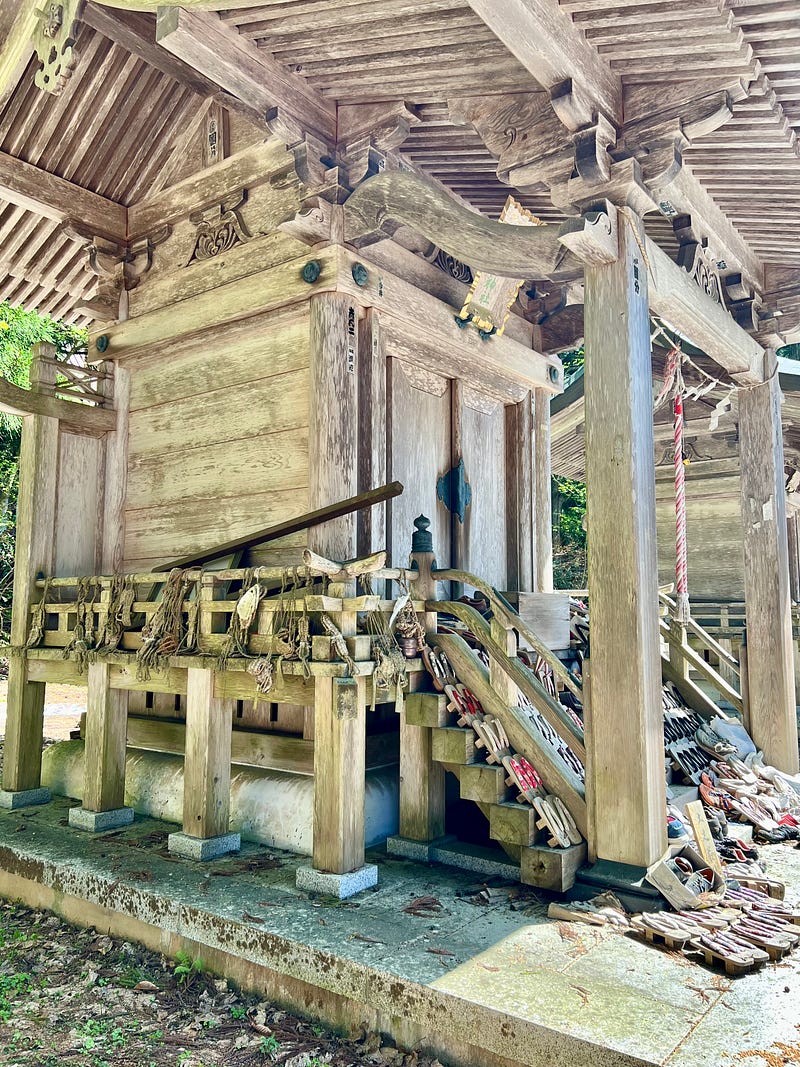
{"points": [[425, 907]]}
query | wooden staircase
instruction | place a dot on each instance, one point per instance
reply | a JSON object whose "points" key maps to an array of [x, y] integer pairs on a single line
{"points": [[511, 825]]}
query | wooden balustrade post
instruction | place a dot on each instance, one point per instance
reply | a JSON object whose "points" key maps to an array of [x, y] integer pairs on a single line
{"points": [[677, 660], [206, 772], [34, 555], [422, 779], [104, 756], [505, 688], [543, 508], [627, 758], [340, 713], [773, 719]]}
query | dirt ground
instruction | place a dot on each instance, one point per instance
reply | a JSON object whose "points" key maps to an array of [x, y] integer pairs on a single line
{"points": [[62, 712], [72, 997]]}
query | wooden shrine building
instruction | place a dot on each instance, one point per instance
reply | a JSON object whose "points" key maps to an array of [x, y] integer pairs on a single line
{"points": [[281, 223]]}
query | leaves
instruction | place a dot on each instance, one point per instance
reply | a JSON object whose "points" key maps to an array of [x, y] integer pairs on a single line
{"points": [[425, 907]]}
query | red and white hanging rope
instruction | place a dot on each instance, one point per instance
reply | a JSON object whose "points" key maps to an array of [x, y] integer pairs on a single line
{"points": [[673, 388]]}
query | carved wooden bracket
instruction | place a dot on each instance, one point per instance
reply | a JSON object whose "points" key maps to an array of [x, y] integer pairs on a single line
{"points": [[696, 259], [119, 267], [54, 42], [219, 229], [392, 199]]}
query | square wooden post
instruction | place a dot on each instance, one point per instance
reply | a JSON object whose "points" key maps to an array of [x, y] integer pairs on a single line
{"points": [[520, 495], [770, 662], [422, 779], [206, 772], [104, 756], [543, 503], [340, 716], [36, 508], [333, 433], [627, 761]]}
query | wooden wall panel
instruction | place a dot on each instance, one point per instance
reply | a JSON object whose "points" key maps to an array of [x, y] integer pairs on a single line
{"points": [[78, 526], [483, 445], [713, 533], [218, 439], [419, 436]]}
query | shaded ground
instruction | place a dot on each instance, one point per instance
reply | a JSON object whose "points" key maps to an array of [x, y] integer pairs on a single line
{"points": [[71, 997], [62, 712]]}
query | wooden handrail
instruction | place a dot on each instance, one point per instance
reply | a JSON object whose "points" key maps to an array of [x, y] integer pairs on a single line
{"points": [[702, 634], [524, 678], [699, 664], [507, 614]]}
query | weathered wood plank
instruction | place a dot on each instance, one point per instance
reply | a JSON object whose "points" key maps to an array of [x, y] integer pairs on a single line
{"points": [[77, 418], [543, 514]]}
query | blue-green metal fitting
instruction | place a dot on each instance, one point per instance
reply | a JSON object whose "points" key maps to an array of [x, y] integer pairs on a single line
{"points": [[360, 275], [102, 342], [485, 335], [311, 271], [454, 490], [461, 323], [552, 373]]}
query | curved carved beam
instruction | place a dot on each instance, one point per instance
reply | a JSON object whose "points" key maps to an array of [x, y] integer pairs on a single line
{"points": [[382, 204], [196, 5]]}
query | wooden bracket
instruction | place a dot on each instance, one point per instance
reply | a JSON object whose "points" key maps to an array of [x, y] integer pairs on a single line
{"points": [[593, 237], [54, 41]]}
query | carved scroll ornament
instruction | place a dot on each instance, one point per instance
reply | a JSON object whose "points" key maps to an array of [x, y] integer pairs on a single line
{"points": [[221, 229]]}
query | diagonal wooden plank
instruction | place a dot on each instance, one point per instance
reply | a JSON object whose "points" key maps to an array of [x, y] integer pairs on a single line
{"points": [[17, 22]]}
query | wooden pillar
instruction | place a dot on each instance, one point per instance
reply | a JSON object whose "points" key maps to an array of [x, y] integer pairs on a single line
{"points": [[422, 779], [627, 759], [115, 479], [340, 716], [372, 454], [36, 510], [543, 508], [104, 755], [206, 771], [770, 665], [794, 556], [333, 434], [520, 495]]}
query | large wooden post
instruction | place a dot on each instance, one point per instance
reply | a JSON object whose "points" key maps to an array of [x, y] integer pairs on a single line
{"points": [[520, 495], [340, 713], [104, 755], [206, 772], [36, 509], [773, 721], [627, 758], [333, 443], [543, 504]]}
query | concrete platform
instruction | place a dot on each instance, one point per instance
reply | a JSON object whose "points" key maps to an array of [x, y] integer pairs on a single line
{"points": [[477, 983]]}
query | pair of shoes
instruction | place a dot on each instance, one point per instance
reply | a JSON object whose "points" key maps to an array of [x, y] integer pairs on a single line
{"points": [[676, 831]]}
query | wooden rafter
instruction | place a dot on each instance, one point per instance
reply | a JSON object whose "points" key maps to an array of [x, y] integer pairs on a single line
{"points": [[46, 194], [230, 61], [543, 38]]}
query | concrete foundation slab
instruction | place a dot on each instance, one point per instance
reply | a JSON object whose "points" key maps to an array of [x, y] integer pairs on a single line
{"points": [[203, 848], [421, 851], [454, 853], [480, 977], [95, 821], [337, 885], [23, 798]]}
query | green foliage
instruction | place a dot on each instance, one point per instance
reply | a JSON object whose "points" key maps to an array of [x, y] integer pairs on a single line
{"points": [[573, 361], [569, 536], [19, 331], [269, 1046], [186, 969]]}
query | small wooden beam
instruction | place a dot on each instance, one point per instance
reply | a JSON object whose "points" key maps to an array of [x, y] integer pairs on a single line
{"points": [[543, 510], [770, 659], [48, 195], [106, 734], [339, 787], [77, 418], [220, 54], [302, 522]]}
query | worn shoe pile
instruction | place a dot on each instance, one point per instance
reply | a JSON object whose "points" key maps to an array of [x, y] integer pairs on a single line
{"points": [[553, 816]]}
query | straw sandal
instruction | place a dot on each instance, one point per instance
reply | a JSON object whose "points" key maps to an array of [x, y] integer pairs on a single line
{"points": [[524, 777]]}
